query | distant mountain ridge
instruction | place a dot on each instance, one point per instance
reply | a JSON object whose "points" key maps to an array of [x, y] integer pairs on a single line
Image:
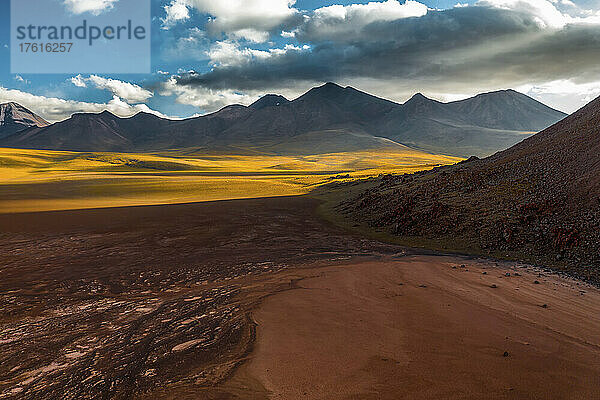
{"points": [[15, 118], [344, 118]]}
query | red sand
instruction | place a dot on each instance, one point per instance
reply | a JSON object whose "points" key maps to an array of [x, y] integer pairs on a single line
{"points": [[416, 328]]}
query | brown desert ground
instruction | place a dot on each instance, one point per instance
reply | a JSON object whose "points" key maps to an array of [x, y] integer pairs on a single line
{"points": [[257, 299], [416, 328]]}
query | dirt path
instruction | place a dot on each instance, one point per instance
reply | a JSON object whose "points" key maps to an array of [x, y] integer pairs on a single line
{"points": [[417, 328]]}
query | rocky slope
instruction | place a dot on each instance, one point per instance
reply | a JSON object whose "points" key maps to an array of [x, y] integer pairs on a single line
{"points": [[16, 118], [538, 201], [481, 125]]}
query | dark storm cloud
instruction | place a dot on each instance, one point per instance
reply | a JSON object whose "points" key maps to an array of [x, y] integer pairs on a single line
{"points": [[462, 45]]}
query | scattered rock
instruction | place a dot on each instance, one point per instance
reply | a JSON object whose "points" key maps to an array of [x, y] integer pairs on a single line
{"points": [[506, 354], [536, 282], [494, 286]]}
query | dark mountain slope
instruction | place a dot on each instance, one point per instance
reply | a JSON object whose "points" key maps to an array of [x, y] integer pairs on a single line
{"points": [[270, 100], [323, 108], [142, 132], [505, 110], [16, 118], [101, 132], [481, 125], [538, 201], [564, 159]]}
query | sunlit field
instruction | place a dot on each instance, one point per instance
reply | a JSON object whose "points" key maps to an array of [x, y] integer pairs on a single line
{"points": [[36, 180]]}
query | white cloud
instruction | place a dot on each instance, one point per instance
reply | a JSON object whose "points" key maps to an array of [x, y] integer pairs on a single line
{"points": [[362, 14], [564, 94], [547, 15], [290, 34], [20, 79], [229, 53], [55, 109], [343, 22], [176, 11], [124, 90], [78, 81], [248, 19], [128, 91], [94, 7], [568, 3], [207, 100], [250, 34], [564, 86]]}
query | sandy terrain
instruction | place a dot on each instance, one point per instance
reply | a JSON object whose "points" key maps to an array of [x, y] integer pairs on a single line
{"points": [[422, 327], [148, 302], [158, 303]]}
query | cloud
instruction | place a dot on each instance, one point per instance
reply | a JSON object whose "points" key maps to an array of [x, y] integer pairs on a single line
{"points": [[176, 12], [207, 100], [20, 79], [129, 92], [55, 109], [452, 52], [564, 94], [544, 12], [565, 86], [248, 19], [95, 7], [78, 81], [229, 53], [337, 21]]}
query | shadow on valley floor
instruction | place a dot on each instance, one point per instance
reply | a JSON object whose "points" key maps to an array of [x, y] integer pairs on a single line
{"points": [[160, 302], [116, 303]]}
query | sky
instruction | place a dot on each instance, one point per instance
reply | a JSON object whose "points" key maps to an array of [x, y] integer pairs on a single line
{"points": [[207, 54]]}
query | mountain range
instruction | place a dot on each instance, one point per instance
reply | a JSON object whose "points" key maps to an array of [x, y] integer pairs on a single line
{"points": [[16, 118], [329, 118], [537, 201]]}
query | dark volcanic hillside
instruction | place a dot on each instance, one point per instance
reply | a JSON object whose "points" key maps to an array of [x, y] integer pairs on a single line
{"points": [[142, 132], [538, 201], [480, 126], [344, 118], [15, 118], [489, 110]]}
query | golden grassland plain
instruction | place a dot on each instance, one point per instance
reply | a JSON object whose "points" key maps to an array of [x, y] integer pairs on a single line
{"points": [[40, 180]]}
